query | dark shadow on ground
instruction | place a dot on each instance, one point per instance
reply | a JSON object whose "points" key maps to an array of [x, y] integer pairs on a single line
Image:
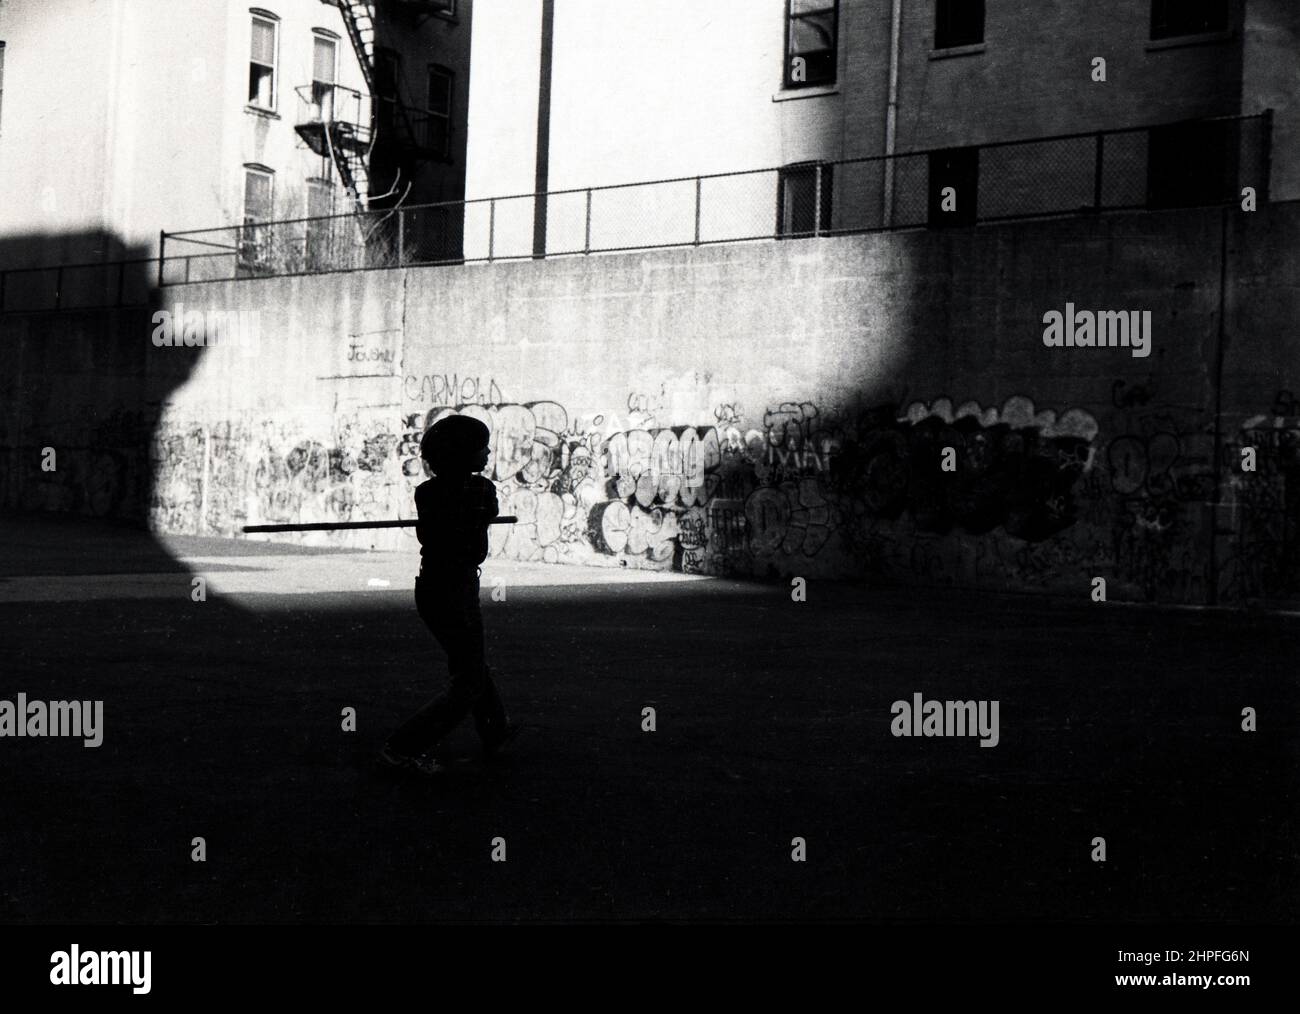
{"points": [[773, 721]]}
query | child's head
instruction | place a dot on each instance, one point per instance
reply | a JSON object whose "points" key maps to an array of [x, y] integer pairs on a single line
{"points": [[456, 445]]}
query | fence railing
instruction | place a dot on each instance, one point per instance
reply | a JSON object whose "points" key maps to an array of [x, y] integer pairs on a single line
{"points": [[1184, 164], [95, 285], [1190, 163]]}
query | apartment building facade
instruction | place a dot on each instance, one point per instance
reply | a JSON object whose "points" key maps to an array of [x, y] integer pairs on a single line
{"points": [[123, 118], [678, 89]]}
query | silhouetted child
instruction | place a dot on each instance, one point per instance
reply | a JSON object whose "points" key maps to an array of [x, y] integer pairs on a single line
{"points": [[454, 509]]}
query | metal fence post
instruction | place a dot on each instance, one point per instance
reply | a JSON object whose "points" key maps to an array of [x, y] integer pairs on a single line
{"points": [[1097, 170], [697, 211], [586, 241], [162, 248], [492, 227]]}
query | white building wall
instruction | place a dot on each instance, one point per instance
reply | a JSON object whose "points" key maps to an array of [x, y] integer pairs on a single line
{"points": [[125, 117]]}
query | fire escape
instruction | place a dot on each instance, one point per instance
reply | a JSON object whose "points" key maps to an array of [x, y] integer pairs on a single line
{"points": [[345, 126]]}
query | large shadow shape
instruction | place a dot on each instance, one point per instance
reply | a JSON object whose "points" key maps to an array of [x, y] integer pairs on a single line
{"points": [[82, 388]]}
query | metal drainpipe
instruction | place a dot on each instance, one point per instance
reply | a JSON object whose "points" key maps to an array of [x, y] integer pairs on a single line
{"points": [[891, 112]]}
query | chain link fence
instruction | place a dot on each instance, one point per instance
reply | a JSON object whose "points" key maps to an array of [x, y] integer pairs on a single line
{"points": [[1193, 163]]}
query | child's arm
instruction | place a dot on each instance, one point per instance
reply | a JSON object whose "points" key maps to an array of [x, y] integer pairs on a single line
{"points": [[480, 501]]}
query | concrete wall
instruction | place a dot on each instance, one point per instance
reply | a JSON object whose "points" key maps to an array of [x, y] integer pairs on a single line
{"points": [[763, 409]]}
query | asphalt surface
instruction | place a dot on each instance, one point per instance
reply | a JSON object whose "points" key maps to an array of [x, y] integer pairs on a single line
{"points": [[222, 719]]}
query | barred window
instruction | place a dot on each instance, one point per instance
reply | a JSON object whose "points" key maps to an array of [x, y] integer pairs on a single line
{"points": [[798, 210]]}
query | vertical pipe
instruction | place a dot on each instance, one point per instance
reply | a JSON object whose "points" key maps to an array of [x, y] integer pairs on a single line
{"points": [[541, 176], [401, 236], [162, 247], [492, 226], [586, 243], [891, 113], [697, 211]]}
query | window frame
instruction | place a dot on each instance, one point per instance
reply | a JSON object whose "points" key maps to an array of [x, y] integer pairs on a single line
{"points": [[1175, 180], [941, 46], [324, 105], [325, 35], [968, 189], [432, 114], [269, 18], [1158, 7], [787, 72], [821, 223], [318, 231], [250, 235], [446, 15], [382, 100]]}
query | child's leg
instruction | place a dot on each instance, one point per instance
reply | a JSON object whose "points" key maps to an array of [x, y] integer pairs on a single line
{"points": [[453, 617]]}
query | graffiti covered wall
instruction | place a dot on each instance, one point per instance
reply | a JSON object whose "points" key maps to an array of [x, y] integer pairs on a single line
{"points": [[880, 408]]}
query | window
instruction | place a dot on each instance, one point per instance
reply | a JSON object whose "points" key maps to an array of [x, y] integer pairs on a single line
{"points": [[254, 241], [1189, 164], [388, 72], [810, 42], [954, 186], [798, 212], [438, 138], [261, 60], [324, 66], [958, 23], [1170, 18], [320, 202]]}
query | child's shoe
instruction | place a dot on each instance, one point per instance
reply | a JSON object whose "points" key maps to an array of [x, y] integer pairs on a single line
{"points": [[394, 761]]}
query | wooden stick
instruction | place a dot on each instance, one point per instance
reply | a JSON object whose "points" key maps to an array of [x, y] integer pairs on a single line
{"points": [[339, 526]]}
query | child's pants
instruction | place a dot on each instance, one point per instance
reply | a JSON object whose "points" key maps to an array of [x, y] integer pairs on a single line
{"points": [[450, 609]]}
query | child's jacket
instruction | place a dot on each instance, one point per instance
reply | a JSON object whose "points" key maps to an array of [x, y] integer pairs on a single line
{"points": [[453, 515]]}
